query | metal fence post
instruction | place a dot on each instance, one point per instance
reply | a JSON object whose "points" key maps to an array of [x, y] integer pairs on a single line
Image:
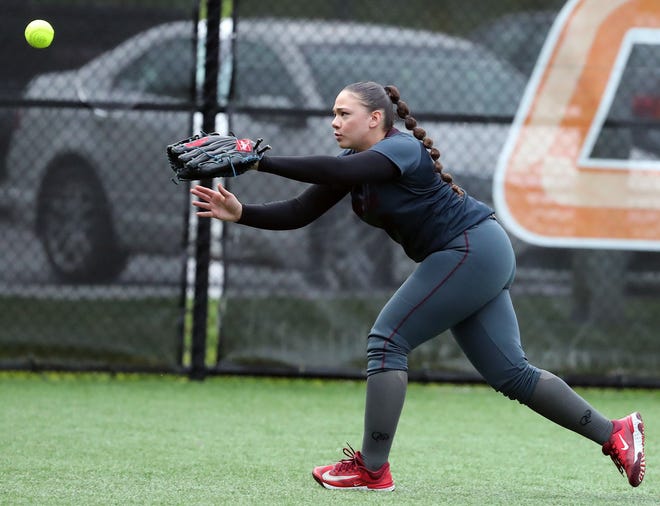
{"points": [[203, 241]]}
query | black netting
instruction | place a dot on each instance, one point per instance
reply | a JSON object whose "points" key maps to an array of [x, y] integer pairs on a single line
{"points": [[93, 232], [97, 253], [305, 300]]}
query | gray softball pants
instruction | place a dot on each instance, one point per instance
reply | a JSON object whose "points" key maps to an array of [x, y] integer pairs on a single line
{"points": [[464, 288]]}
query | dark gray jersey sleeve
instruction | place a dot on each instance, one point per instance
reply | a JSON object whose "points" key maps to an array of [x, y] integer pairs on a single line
{"points": [[293, 213], [358, 168]]}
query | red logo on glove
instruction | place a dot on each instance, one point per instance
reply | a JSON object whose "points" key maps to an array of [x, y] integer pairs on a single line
{"points": [[243, 145], [196, 142]]}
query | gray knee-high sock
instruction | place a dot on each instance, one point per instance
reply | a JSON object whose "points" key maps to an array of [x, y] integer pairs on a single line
{"points": [[386, 392], [559, 403]]}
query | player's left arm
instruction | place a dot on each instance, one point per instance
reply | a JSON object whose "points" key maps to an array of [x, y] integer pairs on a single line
{"points": [[364, 167]]}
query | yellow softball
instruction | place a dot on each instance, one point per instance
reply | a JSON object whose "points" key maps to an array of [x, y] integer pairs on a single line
{"points": [[39, 33]]}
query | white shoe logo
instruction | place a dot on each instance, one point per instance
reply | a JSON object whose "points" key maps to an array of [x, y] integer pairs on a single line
{"points": [[327, 477], [625, 445]]}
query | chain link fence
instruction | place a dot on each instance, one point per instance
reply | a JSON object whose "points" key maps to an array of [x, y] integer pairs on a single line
{"points": [[98, 250], [93, 233], [304, 301]]}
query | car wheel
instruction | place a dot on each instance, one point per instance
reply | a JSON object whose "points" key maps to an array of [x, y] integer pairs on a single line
{"points": [[75, 226]]}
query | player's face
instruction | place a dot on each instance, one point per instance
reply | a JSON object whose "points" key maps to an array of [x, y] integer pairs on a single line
{"points": [[353, 124]]}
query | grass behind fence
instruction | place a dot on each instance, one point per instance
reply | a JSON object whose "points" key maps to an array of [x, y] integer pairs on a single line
{"points": [[132, 439]]}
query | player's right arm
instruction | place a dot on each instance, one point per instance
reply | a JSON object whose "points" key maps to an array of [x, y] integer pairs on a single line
{"points": [[293, 213], [282, 215]]}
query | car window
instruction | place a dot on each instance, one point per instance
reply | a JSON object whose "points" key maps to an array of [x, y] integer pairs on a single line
{"points": [[516, 38], [457, 80], [153, 73], [262, 79]]}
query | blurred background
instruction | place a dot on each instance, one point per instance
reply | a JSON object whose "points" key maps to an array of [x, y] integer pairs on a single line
{"points": [[105, 267]]}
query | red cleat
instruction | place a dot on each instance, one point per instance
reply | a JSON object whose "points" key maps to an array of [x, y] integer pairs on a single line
{"points": [[626, 447], [350, 474]]}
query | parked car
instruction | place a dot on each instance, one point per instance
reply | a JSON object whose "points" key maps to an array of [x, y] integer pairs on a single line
{"points": [[516, 37], [462, 95], [80, 160]]}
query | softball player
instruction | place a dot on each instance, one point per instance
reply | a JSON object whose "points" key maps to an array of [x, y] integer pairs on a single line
{"points": [[465, 267]]}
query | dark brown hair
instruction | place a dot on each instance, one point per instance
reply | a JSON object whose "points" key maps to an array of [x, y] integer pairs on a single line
{"points": [[375, 96]]}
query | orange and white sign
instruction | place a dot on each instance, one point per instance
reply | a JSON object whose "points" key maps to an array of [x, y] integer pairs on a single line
{"points": [[551, 187]]}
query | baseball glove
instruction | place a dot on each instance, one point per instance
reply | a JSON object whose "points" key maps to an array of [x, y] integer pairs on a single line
{"points": [[213, 155]]}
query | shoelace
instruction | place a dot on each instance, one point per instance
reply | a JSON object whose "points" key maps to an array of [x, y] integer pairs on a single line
{"points": [[616, 458], [615, 455], [350, 463]]}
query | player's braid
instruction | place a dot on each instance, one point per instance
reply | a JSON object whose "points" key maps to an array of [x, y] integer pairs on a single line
{"points": [[403, 111]]}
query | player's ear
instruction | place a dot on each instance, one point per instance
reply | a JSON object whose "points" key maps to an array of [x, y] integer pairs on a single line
{"points": [[375, 118]]}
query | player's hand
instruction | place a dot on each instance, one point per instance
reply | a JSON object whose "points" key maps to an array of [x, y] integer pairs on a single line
{"points": [[220, 204]]}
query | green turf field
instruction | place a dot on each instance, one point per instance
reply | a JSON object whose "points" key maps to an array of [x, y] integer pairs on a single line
{"points": [[99, 439]]}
